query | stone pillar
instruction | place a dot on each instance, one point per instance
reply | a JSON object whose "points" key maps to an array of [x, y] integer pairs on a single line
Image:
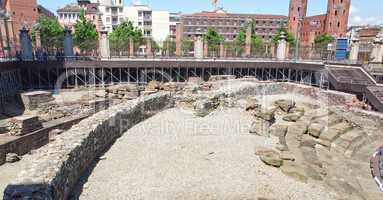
{"points": [[377, 52], [198, 47], [281, 50], [179, 36], [38, 40], [131, 47], [26, 45], [205, 49], [272, 50], [104, 45], [68, 43], [149, 47], [354, 53], [248, 42], [221, 50]]}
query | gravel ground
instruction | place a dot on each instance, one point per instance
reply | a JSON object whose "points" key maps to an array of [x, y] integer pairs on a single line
{"points": [[9, 171], [174, 155]]}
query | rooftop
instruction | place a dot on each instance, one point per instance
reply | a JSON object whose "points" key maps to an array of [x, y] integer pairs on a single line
{"points": [[70, 8]]}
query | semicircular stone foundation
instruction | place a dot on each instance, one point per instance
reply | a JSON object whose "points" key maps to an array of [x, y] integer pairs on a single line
{"points": [[318, 139]]}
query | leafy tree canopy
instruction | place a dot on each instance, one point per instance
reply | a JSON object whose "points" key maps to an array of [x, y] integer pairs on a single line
{"points": [[323, 40], [213, 38], [187, 45], [289, 36], [85, 35], [51, 32], [125, 31], [169, 46]]}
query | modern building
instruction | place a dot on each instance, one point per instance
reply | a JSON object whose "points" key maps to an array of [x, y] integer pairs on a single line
{"points": [[229, 24], [334, 22], [112, 13], [174, 19], [153, 23]]}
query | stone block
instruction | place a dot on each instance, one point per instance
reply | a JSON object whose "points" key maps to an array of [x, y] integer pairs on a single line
{"points": [[2, 157], [12, 158], [98, 105], [32, 100], [315, 129], [22, 125], [221, 77]]}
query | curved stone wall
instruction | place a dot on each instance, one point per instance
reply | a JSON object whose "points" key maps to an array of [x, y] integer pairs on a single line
{"points": [[58, 166]]}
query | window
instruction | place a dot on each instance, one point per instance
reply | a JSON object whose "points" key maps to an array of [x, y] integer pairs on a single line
{"points": [[139, 23], [107, 10], [108, 19], [338, 24], [336, 13]]}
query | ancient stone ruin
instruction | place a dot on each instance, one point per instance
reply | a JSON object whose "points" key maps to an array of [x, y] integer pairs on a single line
{"points": [[306, 136]]}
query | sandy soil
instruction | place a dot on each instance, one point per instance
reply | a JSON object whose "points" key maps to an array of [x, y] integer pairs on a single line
{"points": [[175, 155]]}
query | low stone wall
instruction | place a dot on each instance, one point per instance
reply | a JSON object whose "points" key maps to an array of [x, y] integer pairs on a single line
{"points": [[58, 166], [248, 87], [37, 139]]}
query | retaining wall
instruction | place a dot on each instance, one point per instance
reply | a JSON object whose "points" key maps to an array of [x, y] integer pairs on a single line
{"points": [[58, 166], [36, 139]]}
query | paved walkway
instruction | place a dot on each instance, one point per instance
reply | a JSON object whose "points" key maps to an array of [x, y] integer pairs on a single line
{"points": [[174, 155]]}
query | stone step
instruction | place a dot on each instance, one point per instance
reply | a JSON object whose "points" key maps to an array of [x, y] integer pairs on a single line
{"points": [[370, 188], [329, 120], [334, 132], [342, 144], [355, 146]]}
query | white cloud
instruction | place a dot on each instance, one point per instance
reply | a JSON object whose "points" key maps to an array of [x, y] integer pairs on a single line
{"points": [[360, 20]]}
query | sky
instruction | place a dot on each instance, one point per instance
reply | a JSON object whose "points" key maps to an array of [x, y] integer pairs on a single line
{"points": [[360, 13]]}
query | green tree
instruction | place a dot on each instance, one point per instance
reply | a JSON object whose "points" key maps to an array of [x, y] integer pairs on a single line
{"points": [[187, 46], [51, 33], [155, 46], [256, 41], [85, 36], [323, 40], [168, 46], [289, 36], [213, 39], [119, 38], [240, 42]]}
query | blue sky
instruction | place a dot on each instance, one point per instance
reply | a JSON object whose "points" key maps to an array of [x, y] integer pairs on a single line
{"points": [[361, 12]]}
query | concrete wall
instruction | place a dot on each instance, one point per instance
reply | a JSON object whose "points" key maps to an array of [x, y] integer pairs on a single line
{"points": [[58, 166]]}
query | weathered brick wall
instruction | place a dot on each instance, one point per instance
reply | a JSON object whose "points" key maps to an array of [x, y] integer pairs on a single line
{"points": [[58, 166]]}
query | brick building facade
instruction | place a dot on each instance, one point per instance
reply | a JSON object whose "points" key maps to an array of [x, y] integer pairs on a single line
{"points": [[22, 13], [334, 22], [229, 24]]}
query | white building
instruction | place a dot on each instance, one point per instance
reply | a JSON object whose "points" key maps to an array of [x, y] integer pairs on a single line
{"points": [[112, 13], [69, 14], [153, 23]]}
